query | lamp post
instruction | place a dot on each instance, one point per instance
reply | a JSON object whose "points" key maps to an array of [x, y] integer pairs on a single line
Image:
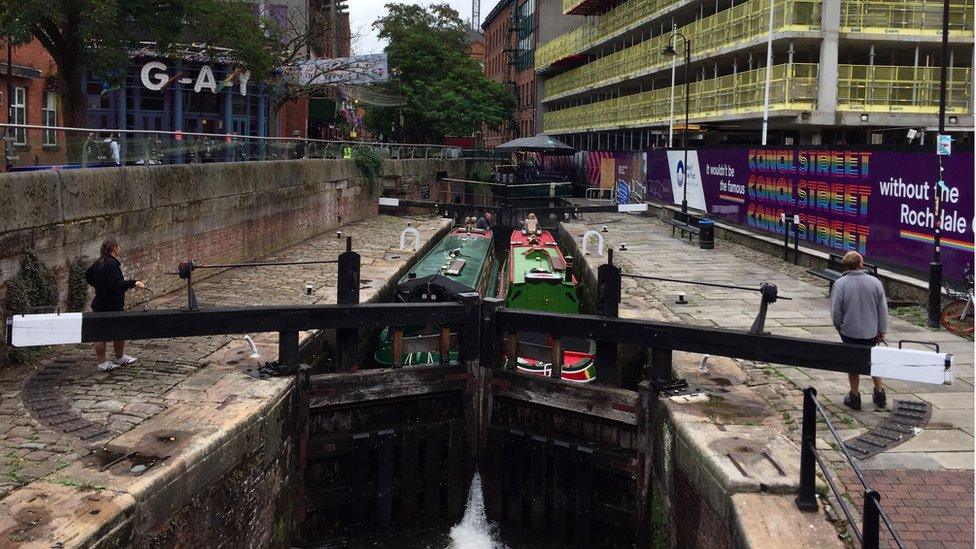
{"points": [[669, 50], [935, 268]]}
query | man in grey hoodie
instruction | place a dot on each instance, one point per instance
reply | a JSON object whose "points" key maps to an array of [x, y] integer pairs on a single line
{"points": [[859, 310]]}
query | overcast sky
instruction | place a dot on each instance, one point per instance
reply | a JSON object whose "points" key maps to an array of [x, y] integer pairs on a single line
{"points": [[362, 13]]}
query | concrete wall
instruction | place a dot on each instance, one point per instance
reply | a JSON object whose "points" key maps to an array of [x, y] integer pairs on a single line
{"points": [[166, 214]]}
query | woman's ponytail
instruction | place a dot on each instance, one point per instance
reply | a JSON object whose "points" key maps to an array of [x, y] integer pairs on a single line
{"points": [[108, 247]]}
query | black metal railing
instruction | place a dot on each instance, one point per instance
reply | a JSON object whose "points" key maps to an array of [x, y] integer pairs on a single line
{"points": [[872, 515]]}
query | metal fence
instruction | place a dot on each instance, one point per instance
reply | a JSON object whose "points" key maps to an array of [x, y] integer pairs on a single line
{"points": [[30, 147], [869, 533]]}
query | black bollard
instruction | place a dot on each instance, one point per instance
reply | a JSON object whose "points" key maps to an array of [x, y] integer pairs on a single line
{"points": [[608, 305], [347, 339]]}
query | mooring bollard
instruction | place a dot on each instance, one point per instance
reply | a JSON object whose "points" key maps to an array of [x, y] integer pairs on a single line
{"points": [[347, 293], [599, 241], [416, 238], [608, 305], [806, 499]]}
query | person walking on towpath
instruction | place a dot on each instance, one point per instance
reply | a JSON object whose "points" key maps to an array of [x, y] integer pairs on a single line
{"points": [[859, 310], [105, 274]]}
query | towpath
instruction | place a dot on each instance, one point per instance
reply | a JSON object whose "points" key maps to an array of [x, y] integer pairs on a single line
{"points": [[928, 480], [54, 411]]}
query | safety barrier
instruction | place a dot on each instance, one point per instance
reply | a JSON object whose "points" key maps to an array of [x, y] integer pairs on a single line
{"points": [[744, 22], [880, 88], [30, 146], [792, 87], [869, 534], [888, 17], [912, 17], [627, 15]]}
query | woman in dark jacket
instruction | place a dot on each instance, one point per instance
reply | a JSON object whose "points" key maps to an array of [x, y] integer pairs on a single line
{"points": [[110, 287]]}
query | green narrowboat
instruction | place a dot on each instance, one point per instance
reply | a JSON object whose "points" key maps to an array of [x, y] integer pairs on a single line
{"points": [[539, 278], [463, 261]]}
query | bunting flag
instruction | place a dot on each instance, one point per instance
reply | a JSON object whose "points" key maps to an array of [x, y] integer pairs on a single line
{"points": [[229, 80], [175, 78], [106, 87]]}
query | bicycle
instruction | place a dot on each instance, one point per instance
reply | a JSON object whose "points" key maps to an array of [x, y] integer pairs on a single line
{"points": [[957, 315]]}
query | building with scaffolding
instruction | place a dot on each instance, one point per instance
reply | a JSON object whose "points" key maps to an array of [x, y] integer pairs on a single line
{"points": [[854, 72], [513, 30]]}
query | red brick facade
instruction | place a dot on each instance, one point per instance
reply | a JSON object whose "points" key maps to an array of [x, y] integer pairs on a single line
{"points": [[497, 40], [293, 116], [34, 72]]}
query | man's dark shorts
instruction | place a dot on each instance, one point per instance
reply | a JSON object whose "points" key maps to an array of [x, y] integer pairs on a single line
{"points": [[855, 341]]}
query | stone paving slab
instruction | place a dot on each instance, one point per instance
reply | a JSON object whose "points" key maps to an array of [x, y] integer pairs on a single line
{"points": [[944, 447], [171, 374]]}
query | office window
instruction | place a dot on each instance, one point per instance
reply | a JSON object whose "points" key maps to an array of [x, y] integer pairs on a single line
{"points": [[49, 117], [19, 111]]}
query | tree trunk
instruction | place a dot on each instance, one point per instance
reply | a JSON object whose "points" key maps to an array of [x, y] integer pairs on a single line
{"points": [[74, 107]]}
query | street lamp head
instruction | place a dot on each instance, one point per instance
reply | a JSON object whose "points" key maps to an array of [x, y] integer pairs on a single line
{"points": [[669, 50]]}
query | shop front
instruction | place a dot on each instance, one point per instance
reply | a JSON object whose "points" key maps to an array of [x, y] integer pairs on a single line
{"points": [[165, 95]]}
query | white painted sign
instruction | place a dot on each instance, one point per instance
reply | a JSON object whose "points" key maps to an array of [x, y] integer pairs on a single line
{"points": [[155, 75], [45, 329], [912, 365]]}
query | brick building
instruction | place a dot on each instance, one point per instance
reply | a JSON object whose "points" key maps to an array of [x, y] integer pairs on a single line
{"points": [[498, 43], [35, 102], [189, 91], [513, 29]]}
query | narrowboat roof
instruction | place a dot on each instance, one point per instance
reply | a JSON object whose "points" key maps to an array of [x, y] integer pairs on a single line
{"points": [[537, 255], [468, 250]]}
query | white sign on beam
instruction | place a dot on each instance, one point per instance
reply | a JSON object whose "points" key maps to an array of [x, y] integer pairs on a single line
{"points": [[632, 208], [45, 329], [912, 365]]}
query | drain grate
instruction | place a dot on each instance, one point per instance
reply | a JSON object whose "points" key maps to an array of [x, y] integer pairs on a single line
{"points": [[901, 424], [43, 398]]}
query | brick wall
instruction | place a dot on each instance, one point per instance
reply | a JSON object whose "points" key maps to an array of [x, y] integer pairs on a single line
{"points": [[33, 55], [693, 522], [253, 503], [293, 116]]}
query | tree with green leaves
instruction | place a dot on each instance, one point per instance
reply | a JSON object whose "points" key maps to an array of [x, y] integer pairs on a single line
{"points": [[97, 36], [445, 90]]}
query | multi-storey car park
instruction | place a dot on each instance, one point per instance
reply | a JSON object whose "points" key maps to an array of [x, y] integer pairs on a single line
{"points": [[843, 71]]}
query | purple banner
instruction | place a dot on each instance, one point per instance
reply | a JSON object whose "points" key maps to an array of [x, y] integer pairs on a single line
{"points": [[881, 204]]}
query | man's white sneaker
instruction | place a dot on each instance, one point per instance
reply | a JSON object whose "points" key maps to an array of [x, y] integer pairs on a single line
{"points": [[125, 360], [107, 366]]}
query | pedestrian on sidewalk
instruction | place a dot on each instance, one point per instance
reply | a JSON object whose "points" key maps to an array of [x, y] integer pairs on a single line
{"points": [[859, 310], [105, 275]]}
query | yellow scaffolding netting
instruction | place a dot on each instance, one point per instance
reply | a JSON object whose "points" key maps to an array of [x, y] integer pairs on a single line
{"points": [[743, 23], [793, 87], [883, 88], [915, 17]]}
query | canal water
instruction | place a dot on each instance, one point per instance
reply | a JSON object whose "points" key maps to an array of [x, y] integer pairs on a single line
{"points": [[474, 531]]}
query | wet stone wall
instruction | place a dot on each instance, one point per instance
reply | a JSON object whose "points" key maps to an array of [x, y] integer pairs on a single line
{"points": [[251, 504]]}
